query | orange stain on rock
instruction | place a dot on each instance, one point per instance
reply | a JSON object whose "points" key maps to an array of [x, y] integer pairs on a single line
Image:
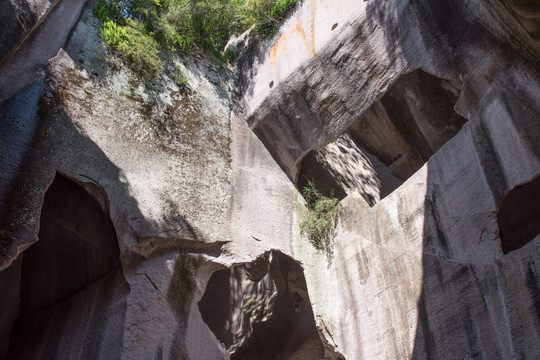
{"points": [[280, 47], [310, 45], [313, 16]]}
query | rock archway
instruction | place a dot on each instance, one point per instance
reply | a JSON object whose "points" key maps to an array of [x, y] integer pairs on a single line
{"points": [[261, 310], [390, 141], [71, 289]]}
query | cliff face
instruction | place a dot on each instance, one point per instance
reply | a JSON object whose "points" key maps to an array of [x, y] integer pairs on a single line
{"points": [[442, 97], [154, 163], [148, 221]]}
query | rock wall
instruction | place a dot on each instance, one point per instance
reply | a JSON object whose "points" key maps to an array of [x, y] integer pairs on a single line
{"points": [[18, 17], [445, 96], [526, 13], [421, 115], [28, 60], [157, 160], [261, 310], [323, 85]]}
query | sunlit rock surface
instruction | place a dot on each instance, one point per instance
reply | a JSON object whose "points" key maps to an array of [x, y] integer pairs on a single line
{"points": [[445, 97], [155, 221]]}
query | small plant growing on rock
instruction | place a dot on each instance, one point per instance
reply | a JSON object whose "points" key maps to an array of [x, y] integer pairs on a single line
{"points": [[113, 34], [318, 223], [179, 76]]}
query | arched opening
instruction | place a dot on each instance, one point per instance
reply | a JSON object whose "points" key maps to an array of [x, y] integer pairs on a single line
{"points": [[390, 141], [68, 293], [262, 310]]}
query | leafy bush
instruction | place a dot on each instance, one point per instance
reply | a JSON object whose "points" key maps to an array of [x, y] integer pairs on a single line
{"points": [[101, 11], [319, 222], [113, 34], [139, 29], [267, 14], [135, 45], [142, 50]]}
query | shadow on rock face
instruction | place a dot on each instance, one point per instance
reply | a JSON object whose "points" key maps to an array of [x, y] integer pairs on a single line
{"points": [[261, 310], [418, 117], [526, 13], [68, 291], [16, 19], [471, 307], [71, 277], [77, 246], [66, 294], [519, 216], [18, 126]]}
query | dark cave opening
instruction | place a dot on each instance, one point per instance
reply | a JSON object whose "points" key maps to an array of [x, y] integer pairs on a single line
{"points": [[66, 279], [77, 246], [262, 310], [390, 141], [519, 216]]}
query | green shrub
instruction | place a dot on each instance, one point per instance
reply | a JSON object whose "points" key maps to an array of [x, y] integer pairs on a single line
{"points": [[113, 34], [135, 45], [227, 56], [101, 11], [318, 222], [184, 43], [142, 50]]}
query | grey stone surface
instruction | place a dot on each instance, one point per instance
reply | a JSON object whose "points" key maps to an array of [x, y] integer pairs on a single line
{"points": [[422, 273], [158, 160], [323, 85], [425, 113], [17, 17]]}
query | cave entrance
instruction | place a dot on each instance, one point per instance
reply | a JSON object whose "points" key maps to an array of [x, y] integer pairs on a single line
{"points": [[261, 310], [519, 216], [390, 141], [68, 286]]}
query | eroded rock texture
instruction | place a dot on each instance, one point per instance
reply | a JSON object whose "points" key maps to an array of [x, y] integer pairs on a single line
{"points": [[126, 209], [33, 47], [17, 19], [412, 120], [390, 141], [262, 310], [526, 12], [157, 159], [443, 96]]}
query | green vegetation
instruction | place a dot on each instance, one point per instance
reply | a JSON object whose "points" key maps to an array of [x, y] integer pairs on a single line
{"points": [[266, 14], [179, 76], [143, 31], [318, 222]]}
